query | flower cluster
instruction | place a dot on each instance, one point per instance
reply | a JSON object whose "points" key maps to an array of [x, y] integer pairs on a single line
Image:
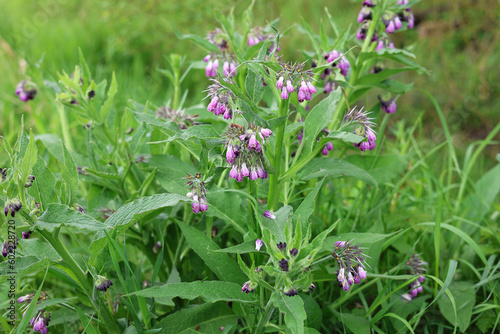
{"points": [[12, 206], [29, 182], [388, 104], [249, 287], [197, 192], [157, 247], [179, 117], [26, 91], [102, 283], [244, 151], [40, 321], [351, 261], [363, 127], [3, 173], [10, 245], [213, 60], [257, 35], [293, 74], [26, 235], [384, 43], [406, 15], [221, 100], [337, 59], [415, 267]]}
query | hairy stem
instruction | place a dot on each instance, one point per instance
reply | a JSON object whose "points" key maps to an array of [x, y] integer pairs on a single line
{"points": [[274, 193]]}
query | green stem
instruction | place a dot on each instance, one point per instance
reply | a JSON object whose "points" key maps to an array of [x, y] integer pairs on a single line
{"points": [[268, 312], [80, 277], [274, 193]]}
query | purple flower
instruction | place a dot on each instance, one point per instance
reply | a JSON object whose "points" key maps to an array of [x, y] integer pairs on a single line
{"points": [[233, 173], [248, 287], [311, 87], [102, 283], [266, 132], [284, 94], [269, 215], [283, 263], [252, 143], [389, 106], [291, 292], [253, 174], [324, 151], [258, 244], [289, 86], [279, 83], [294, 252], [340, 244], [281, 245], [26, 91], [207, 58], [26, 235], [370, 3], [244, 170], [364, 14]]}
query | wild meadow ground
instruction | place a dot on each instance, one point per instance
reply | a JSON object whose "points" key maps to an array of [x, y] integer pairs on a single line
{"points": [[276, 167]]}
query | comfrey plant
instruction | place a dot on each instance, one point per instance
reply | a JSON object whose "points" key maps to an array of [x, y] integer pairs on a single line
{"points": [[227, 212]]}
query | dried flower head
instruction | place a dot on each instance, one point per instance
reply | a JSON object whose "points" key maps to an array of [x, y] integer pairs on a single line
{"points": [[179, 117]]}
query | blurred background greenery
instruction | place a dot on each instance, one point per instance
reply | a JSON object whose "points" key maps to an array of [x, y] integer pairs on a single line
{"points": [[458, 41]]}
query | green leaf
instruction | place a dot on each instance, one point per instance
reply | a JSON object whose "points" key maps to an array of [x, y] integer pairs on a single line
{"points": [[398, 55], [227, 206], [43, 188], [40, 249], [58, 215], [293, 307], [356, 323], [113, 89], [318, 119], [205, 132], [200, 41], [171, 170], [30, 312], [221, 264], [374, 78], [126, 215], [382, 168], [169, 128], [25, 265], [306, 208], [347, 137], [29, 158], [69, 174], [321, 167], [210, 317], [209, 291], [246, 247], [277, 226], [254, 86], [465, 300], [356, 238]]}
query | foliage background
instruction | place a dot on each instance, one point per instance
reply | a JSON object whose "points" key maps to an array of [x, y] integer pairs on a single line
{"points": [[457, 41]]}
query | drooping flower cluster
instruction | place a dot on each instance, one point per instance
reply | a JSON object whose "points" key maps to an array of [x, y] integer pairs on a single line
{"points": [[384, 43], [40, 321], [29, 182], [12, 206], [197, 192], [3, 173], [221, 100], [26, 235], [406, 15], [292, 78], [179, 117], [213, 60], [9, 245], [388, 104], [244, 151], [26, 91], [415, 267], [337, 59], [363, 127], [351, 261], [257, 35], [102, 283]]}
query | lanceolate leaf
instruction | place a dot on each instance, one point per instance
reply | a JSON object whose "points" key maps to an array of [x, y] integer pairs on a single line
{"points": [[58, 215], [209, 318], [221, 264], [321, 167], [293, 307], [125, 216], [306, 208], [318, 119], [209, 291]]}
